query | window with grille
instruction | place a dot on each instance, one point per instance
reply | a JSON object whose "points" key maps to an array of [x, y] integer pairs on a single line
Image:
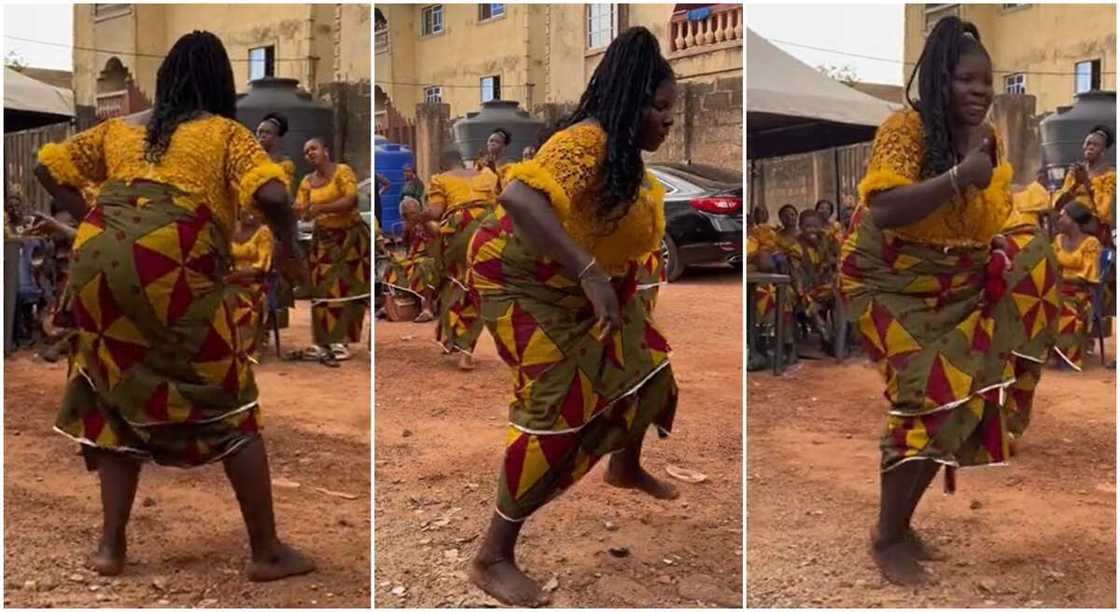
{"points": [[1087, 76], [602, 24], [433, 94], [935, 12], [1015, 84], [432, 22]]}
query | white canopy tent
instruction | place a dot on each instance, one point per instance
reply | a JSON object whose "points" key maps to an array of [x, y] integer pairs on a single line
{"points": [[28, 101], [793, 108]]}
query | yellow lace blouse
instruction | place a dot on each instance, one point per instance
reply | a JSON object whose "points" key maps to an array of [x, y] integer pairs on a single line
{"points": [[568, 170], [765, 236], [896, 160], [1104, 192], [1032, 201], [1082, 263], [342, 183], [214, 159], [255, 253], [289, 167], [450, 191]]}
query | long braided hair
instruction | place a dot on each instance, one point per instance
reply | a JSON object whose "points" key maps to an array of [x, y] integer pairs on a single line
{"points": [[195, 78], [950, 39], [617, 96]]}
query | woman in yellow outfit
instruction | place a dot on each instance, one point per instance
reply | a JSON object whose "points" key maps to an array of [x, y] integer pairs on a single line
{"points": [[558, 266], [1092, 182], [1035, 200], [1079, 255], [458, 199], [252, 263], [158, 371], [270, 131], [340, 255]]}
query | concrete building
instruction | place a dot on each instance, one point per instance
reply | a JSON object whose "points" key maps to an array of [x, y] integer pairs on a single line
{"points": [[118, 49], [542, 55], [1050, 51]]}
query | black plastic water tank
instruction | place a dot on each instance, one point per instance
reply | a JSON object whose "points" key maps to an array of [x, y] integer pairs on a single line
{"points": [[1063, 133], [471, 132], [306, 119]]}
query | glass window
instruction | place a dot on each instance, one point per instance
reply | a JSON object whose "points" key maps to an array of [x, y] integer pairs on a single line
{"points": [[1015, 83], [490, 11], [602, 21], [433, 20], [261, 63], [1087, 76], [491, 88]]}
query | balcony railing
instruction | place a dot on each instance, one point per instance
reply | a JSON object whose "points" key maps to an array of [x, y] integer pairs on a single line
{"points": [[381, 41], [706, 26]]}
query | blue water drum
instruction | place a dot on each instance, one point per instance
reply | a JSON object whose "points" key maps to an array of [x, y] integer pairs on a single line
{"points": [[389, 160]]}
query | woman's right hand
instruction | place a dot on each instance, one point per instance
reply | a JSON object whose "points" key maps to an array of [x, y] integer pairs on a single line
{"points": [[600, 292], [976, 167]]}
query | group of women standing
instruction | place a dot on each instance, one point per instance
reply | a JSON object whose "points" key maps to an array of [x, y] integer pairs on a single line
{"points": [[955, 293]]}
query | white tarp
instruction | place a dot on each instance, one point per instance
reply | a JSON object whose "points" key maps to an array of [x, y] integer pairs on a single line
{"points": [[780, 84], [26, 94]]}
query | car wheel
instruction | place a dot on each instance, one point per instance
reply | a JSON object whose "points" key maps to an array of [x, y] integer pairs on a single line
{"points": [[670, 259]]}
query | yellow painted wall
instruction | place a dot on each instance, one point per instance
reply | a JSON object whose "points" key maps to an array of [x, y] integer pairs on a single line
{"points": [[298, 33], [542, 45], [1047, 38]]}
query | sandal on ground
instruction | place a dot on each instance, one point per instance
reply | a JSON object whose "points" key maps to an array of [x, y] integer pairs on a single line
{"points": [[339, 351]]}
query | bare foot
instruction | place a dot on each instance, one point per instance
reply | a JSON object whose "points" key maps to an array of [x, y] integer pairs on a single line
{"points": [[466, 362], [108, 560], [1013, 447], [283, 562], [897, 563], [641, 480], [504, 581], [920, 549]]}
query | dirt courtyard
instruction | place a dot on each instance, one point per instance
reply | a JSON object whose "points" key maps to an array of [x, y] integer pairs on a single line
{"points": [[439, 440], [187, 543], [1039, 532]]}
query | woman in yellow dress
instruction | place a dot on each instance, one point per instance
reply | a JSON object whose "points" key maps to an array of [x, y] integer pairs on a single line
{"points": [[340, 255], [558, 266], [270, 131], [158, 371], [923, 271], [458, 199], [1079, 255], [1092, 182], [252, 263]]}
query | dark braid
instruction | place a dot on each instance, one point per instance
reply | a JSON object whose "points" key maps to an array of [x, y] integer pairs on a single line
{"points": [[617, 96], [195, 78], [950, 39]]}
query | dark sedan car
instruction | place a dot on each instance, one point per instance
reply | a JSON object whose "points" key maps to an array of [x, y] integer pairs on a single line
{"points": [[703, 216]]}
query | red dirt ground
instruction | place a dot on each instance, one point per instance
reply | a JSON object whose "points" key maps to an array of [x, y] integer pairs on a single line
{"points": [[1037, 533], [187, 543], [440, 434]]}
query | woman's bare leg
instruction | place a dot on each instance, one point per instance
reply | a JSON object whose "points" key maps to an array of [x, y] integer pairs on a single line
{"points": [[494, 568], [119, 475]]}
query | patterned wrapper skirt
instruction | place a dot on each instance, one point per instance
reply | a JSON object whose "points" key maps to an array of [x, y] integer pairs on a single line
{"points": [[766, 307], [459, 322], [340, 278], [157, 368], [1074, 322], [1027, 319], [575, 398], [920, 312], [250, 308], [413, 273]]}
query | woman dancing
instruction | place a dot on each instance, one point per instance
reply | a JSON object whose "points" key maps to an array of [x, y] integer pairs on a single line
{"points": [[557, 266], [340, 255], [923, 285], [458, 199], [158, 370]]}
